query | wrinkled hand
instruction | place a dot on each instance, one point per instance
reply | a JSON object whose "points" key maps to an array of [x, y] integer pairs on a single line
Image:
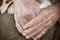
{"points": [[38, 26]]}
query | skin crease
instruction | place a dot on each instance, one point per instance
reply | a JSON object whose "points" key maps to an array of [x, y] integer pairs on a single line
{"points": [[36, 27]]}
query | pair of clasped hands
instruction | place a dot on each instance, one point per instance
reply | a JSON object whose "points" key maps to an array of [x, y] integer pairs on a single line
{"points": [[33, 21]]}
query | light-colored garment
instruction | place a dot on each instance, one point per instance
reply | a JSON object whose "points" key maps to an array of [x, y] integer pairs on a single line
{"points": [[45, 4]]}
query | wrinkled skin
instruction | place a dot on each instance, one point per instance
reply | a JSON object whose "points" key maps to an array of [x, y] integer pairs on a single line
{"points": [[32, 26]]}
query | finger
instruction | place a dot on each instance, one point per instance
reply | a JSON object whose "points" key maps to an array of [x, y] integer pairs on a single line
{"points": [[19, 28], [39, 35]]}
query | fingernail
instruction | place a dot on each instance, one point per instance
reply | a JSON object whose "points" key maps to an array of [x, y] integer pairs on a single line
{"points": [[27, 37]]}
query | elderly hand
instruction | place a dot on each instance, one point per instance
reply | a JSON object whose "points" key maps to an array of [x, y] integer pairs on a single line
{"points": [[38, 26]]}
